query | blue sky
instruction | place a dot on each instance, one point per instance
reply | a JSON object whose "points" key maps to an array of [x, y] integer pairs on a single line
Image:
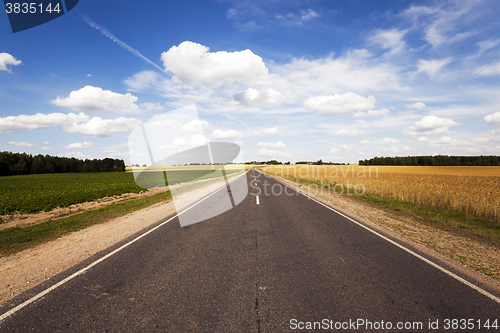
{"points": [[287, 80]]}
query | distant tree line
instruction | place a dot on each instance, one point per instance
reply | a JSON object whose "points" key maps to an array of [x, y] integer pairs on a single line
{"points": [[275, 162], [24, 164], [439, 160], [320, 162], [271, 162]]}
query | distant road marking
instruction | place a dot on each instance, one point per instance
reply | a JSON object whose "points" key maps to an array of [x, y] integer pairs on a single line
{"points": [[83, 270], [442, 269], [257, 199]]}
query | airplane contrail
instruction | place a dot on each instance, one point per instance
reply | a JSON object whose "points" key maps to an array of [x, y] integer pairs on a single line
{"points": [[227, 115], [108, 34]]}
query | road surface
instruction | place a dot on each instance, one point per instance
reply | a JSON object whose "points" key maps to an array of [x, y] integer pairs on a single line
{"points": [[274, 263]]}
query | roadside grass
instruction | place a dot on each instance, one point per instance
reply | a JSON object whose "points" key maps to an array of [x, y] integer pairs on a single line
{"points": [[35, 193], [28, 194], [16, 239], [459, 223]]}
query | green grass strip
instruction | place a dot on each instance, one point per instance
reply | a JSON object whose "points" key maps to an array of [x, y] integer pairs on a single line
{"points": [[16, 239], [34, 193]]}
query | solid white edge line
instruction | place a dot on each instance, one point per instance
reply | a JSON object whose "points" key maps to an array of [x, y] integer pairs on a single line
{"points": [[442, 269], [83, 270]]}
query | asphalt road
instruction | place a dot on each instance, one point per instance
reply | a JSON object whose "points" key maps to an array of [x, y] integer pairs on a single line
{"points": [[267, 267]]}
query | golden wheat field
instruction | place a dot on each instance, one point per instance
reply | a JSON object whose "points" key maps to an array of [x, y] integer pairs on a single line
{"points": [[473, 190]]}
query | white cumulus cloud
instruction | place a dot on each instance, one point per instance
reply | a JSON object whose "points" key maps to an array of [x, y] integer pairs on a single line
{"points": [[272, 149], [493, 119], [152, 106], [430, 125], [20, 144], [226, 134], [79, 145], [192, 63], [446, 140], [356, 70], [270, 145], [98, 127], [372, 113], [6, 60], [432, 122], [339, 104], [254, 97], [347, 132], [39, 120], [387, 141], [194, 141], [417, 105], [266, 131], [194, 125], [273, 153], [91, 98]]}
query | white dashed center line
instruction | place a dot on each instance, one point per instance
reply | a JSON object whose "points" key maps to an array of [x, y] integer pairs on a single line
{"points": [[257, 199]]}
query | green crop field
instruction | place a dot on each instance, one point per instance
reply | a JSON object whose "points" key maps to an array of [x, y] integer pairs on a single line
{"points": [[34, 193]]}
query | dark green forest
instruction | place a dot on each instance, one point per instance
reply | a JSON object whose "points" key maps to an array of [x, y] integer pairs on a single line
{"points": [[25, 164], [438, 160]]}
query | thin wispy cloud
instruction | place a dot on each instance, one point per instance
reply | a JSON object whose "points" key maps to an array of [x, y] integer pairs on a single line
{"points": [[108, 34]]}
